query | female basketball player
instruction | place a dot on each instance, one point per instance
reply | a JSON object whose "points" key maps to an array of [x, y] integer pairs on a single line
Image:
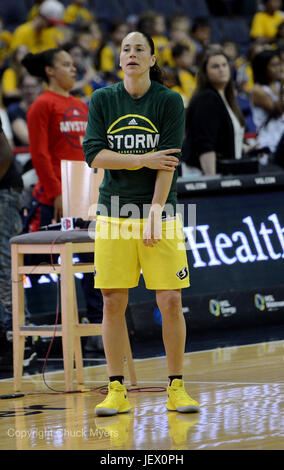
{"points": [[135, 130]]}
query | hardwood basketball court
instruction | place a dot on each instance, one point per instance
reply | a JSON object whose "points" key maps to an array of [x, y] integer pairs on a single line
{"points": [[240, 390]]}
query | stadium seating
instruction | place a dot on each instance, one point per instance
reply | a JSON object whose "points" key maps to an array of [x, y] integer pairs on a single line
{"points": [[194, 8], [13, 13], [236, 29]]}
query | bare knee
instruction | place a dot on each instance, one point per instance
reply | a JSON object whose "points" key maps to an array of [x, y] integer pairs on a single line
{"points": [[169, 302], [115, 300]]}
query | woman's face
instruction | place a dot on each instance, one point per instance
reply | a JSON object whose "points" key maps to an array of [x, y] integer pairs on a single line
{"points": [[274, 69], [63, 71], [218, 71], [135, 56], [31, 88]]}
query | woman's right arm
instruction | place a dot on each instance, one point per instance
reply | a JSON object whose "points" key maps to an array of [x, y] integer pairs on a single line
{"points": [[161, 160], [262, 100], [208, 163], [203, 127]]}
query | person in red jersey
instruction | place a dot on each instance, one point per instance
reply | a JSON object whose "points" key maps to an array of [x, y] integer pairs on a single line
{"points": [[57, 123]]}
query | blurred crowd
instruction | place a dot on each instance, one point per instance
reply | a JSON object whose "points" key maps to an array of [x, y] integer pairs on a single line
{"points": [[94, 46], [232, 93]]}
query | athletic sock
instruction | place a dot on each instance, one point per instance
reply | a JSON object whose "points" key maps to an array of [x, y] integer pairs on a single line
{"points": [[172, 377], [120, 378]]}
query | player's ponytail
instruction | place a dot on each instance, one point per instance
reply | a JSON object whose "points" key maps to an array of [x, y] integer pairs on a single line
{"points": [[36, 63], [156, 73]]}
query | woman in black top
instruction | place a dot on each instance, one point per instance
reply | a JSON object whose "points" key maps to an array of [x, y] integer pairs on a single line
{"points": [[214, 123]]}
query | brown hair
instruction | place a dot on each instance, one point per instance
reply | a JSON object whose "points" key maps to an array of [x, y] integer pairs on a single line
{"points": [[204, 83]]}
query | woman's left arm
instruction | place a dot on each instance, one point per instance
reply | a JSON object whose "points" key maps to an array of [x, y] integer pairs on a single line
{"points": [[153, 230], [172, 132]]}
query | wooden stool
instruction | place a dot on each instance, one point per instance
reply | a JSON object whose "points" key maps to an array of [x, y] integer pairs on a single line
{"points": [[64, 244]]}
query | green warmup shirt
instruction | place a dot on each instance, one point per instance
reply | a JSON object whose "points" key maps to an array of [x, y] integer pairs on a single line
{"points": [[126, 125]]}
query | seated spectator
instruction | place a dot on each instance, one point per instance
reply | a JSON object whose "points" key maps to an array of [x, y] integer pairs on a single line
{"points": [[265, 23], [267, 100], [30, 87], [96, 36], [154, 24], [200, 34], [231, 51], [5, 40], [214, 123], [13, 75], [41, 33], [179, 34], [186, 77], [108, 56], [244, 77], [90, 39], [34, 10], [77, 14], [87, 79]]}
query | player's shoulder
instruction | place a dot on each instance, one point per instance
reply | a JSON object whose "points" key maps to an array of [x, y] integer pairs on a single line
{"points": [[165, 94]]}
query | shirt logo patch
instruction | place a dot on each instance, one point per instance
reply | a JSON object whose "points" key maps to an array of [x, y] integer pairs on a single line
{"points": [[183, 273], [133, 122]]}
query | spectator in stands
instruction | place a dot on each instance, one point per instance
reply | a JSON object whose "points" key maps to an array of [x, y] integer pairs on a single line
{"points": [[231, 51], [179, 34], [77, 14], [108, 56], [5, 40], [200, 34], [214, 123], [41, 33], [244, 77], [86, 75], [12, 76], [267, 100], [34, 10], [30, 87], [265, 23], [154, 24], [186, 77], [96, 37]]}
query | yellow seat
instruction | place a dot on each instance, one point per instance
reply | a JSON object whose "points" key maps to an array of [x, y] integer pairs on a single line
{"points": [[79, 190]]}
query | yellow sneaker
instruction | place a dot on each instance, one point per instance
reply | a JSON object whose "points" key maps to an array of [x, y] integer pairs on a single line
{"points": [[115, 402], [179, 400]]}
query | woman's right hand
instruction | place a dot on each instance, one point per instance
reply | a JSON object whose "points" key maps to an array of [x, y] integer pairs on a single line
{"points": [[161, 160]]}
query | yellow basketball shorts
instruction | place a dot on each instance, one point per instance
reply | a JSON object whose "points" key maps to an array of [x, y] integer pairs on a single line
{"points": [[120, 255]]}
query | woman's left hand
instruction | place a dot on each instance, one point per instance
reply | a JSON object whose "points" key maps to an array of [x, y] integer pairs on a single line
{"points": [[152, 233]]}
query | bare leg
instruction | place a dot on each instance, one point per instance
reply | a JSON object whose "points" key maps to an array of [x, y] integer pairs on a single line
{"points": [[173, 328], [114, 328]]}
